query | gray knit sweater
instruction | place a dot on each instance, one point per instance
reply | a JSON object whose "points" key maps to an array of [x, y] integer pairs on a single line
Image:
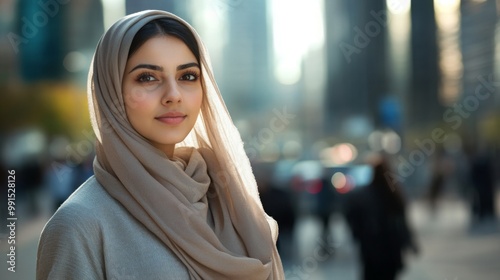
{"points": [[92, 236]]}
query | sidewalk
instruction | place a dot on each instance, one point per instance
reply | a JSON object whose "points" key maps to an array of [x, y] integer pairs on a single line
{"points": [[451, 247], [28, 229]]}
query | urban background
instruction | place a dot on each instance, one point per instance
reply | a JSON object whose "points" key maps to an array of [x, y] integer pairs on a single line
{"points": [[315, 87]]}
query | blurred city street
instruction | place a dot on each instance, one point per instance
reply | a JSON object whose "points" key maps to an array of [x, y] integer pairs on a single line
{"points": [[452, 248]]}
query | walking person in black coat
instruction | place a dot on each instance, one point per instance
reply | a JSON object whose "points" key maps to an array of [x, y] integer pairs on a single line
{"points": [[377, 218]]}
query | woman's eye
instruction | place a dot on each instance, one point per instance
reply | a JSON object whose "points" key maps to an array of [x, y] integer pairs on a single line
{"points": [[189, 77], [146, 78]]}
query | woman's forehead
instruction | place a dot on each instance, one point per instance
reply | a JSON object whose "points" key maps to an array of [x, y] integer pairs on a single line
{"points": [[162, 50]]}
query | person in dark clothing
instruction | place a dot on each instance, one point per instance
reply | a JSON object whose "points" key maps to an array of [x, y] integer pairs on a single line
{"points": [[482, 177], [277, 203], [30, 180], [377, 218], [441, 169]]}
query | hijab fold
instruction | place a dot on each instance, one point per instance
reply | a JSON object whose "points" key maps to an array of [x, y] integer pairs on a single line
{"points": [[202, 203]]}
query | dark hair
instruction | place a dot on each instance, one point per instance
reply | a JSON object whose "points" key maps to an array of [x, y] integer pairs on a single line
{"points": [[165, 26]]}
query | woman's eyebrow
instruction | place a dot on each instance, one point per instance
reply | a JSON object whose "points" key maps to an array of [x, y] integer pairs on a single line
{"points": [[188, 65], [147, 66], [159, 68]]}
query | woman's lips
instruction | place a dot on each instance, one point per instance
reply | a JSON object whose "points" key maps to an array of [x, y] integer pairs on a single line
{"points": [[172, 118]]}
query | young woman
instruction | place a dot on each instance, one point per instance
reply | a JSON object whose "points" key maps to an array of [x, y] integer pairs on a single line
{"points": [[173, 196]]}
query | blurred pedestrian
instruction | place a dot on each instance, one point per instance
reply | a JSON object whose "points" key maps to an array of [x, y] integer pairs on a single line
{"points": [[60, 175], [30, 182], [60, 179], [173, 196], [277, 203], [377, 218], [483, 183], [441, 169]]}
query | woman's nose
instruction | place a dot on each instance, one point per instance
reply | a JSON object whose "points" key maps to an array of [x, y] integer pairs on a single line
{"points": [[172, 92]]}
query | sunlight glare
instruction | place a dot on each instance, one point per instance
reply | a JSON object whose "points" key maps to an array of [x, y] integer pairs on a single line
{"points": [[398, 6], [298, 27], [113, 10]]}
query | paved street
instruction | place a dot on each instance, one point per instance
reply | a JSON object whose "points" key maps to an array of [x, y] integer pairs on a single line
{"points": [[452, 248]]}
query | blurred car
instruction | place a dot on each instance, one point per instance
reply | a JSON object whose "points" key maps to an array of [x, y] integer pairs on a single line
{"points": [[319, 189]]}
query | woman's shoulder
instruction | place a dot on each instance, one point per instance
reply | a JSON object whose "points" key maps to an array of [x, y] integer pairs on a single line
{"points": [[73, 236], [90, 194], [83, 208], [85, 239]]}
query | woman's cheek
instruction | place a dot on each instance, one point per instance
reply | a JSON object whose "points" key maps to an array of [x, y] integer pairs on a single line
{"points": [[137, 98], [195, 96]]}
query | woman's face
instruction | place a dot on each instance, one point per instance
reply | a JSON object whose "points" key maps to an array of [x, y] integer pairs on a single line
{"points": [[162, 91]]}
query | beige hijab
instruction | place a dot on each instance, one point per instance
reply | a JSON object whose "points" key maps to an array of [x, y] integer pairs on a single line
{"points": [[203, 204]]}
